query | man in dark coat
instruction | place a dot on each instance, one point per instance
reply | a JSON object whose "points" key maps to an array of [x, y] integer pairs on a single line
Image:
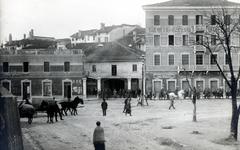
{"points": [[104, 106], [98, 137]]}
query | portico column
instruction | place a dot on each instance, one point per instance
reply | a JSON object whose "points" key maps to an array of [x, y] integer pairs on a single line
{"points": [[129, 83], [98, 86], [84, 87]]}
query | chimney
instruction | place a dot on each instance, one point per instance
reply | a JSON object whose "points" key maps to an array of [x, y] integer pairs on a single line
{"points": [[10, 38], [102, 25], [24, 36], [31, 34], [79, 33]]}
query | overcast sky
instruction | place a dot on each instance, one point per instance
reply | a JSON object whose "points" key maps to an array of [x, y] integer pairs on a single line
{"points": [[61, 18]]}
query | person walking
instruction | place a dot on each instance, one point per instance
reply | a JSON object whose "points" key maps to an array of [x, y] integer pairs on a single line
{"points": [[172, 97], [98, 137], [104, 107], [125, 105], [128, 107]]}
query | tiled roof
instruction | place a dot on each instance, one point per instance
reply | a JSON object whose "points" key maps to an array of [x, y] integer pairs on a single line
{"points": [[193, 3], [114, 52]]}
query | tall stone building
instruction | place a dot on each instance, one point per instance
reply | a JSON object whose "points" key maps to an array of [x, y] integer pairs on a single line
{"points": [[171, 29]]}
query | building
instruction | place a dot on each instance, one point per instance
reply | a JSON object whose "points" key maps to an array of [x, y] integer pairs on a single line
{"points": [[102, 35], [171, 27], [30, 42], [43, 73], [113, 67]]}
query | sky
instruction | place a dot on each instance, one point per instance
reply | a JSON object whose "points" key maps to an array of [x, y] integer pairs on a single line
{"points": [[62, 18]]}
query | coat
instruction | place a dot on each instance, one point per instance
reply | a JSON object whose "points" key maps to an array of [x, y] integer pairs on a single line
{"points": [[98, 135], [104, 105]]}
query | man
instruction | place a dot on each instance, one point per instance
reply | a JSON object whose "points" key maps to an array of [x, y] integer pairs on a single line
{"points": [[172, 97], [104, 107], [98, 137]]}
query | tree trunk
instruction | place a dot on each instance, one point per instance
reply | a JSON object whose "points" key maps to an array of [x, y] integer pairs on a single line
{"points": [[194, 112], [235, 113]]}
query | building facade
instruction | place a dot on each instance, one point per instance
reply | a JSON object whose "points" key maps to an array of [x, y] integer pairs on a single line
{"points": [[171, 28], [115, 68], [102, 35], [43, 73]]}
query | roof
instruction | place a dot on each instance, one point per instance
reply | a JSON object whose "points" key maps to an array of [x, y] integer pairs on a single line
{"points": [[42, 38], [114, 52], [193, 3], [83, 33]]}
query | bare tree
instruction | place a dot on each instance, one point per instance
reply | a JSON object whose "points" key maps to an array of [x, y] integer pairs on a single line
{"points": [[193, 91], [219, 35]]}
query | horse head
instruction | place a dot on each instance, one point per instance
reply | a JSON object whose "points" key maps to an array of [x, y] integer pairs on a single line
{"points": [[78, 100], [43, 104]]}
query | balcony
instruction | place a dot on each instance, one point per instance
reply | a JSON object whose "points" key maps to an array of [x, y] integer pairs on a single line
{"points": [[199, 28], [199, 49]]}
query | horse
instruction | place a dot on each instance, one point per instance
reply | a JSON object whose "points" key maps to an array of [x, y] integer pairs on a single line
{"points": [[71, 106], [26, 110], [52, 109]]}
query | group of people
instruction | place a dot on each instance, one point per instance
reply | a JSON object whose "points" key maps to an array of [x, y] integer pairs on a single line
{"points": [[98, 135]]}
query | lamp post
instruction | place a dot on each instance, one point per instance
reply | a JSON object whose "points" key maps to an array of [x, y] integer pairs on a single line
{"points": [[142, 91]]}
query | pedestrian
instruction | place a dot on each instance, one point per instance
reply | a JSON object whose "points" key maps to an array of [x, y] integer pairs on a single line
{"points": [[98, 137], [128, 107], [125, 105], [172, 97], [104, 107]]}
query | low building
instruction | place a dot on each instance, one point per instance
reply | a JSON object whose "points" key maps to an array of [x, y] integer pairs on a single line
{"points": [[102, 35], [43, 73], [113, 67]]}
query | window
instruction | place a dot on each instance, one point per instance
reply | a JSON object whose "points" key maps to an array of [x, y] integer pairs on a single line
{"points": [[134, 67], [199, 39], [66, 66], [106, 39], [213, 39], [157, 59], [47, 88], [227, 19], [46, 67], [170, 20], [171, 40], [226, 59], [6, 84], [25, 66], [5, 66], [213, 85], [156, 20], [199, 19], [213, 19], [185, 40], [156, 40], [171, 86], [213, 58], [185, 20], [199, 59], [99, 40], [94, 69], [171, 59], [185, 59], [114, 70]]}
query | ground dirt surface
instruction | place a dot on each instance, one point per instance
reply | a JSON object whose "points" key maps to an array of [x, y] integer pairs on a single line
{"points": [[152, 127]]}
